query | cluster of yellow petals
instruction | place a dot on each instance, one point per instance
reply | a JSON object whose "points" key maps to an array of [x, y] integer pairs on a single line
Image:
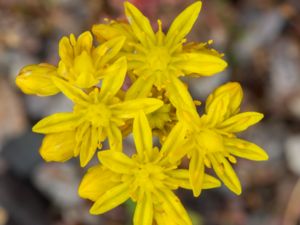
{"points": [[156, 103]]}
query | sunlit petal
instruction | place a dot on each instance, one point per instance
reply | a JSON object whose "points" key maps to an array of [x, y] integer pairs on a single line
{"points": [[113, 79], [116, 161], [58, 147], [56, 123], [144, 210], [142, 134], [245, 149], [111, 199], [37, 80], [129, 109], [183, 23]]}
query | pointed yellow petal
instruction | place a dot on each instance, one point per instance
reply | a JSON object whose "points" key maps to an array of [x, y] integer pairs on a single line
{"points": [[58, 147], [240, 122], [173, 207], [226, 173], [144, 210], [81, 131], [235, 92], [72, 92], [161, 218], [200, 63], [175, 140], [116, 161], [196, 169], [139, 23], [84, 70], [179, 95], [179, 177], [140, 88], [216, 112], [177, 154], [36, 80], [115, 137], [96, 182], [183, 23], [111, 199], [107, 51], [84, 43], [56, 123], [245, 149], [210, 182], [113, 79], [88, 146], [66, 51], [128, 109], [142, 134], [113, 29]]}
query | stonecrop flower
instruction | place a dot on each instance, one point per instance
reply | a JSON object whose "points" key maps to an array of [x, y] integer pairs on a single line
{"points": [[80, 63], [211, 141], [147, 177], [152, 101], [158, 58], [96, 115]]}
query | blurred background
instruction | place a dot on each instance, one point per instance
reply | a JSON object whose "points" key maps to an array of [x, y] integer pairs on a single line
{"points": [[261, 42]]}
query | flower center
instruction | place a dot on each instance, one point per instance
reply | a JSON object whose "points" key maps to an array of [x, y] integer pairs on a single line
{"points": [[149, 176], [210, 141], [158, 59], [98, 114]]}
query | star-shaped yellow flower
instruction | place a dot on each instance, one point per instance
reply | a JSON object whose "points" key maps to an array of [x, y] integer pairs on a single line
{"points": [[97, 115], [211, 141], [80, 63], [158, 58], [148, 178]]}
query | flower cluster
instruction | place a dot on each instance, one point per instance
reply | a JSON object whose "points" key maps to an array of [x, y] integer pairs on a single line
{"points": [[129, 82]]}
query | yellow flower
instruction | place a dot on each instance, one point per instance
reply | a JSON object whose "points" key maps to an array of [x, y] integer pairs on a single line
{"points": [[148, 178], [81, 64], [36, 80], [211, 139], [157, 58], [97, 115]]}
